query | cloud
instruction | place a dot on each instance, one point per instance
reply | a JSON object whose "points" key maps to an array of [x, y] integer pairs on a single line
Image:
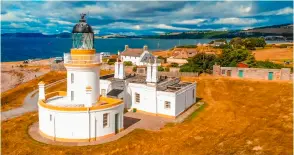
{"points": [[60, 22], [17, 17], [238, 21], [284, 11], [19, 25], [192, 21], [168, 27]]}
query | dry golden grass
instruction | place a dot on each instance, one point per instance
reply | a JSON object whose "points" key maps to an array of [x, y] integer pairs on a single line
{"points": [[241, 117], [14, 97], [274, 54]]}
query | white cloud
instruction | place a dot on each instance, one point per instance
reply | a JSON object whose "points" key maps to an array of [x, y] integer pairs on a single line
{"points": [[138, 27], [159, 32], [17, 17], [60, 22], [168, 27], [284, 11], [19, 25], [192, 21], [238, 21]]}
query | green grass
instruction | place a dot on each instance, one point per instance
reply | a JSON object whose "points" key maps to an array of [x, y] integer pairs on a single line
{"points": [[196, 112]]}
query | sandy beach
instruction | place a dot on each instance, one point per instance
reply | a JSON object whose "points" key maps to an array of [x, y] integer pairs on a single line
{"points": [[16, 73]]}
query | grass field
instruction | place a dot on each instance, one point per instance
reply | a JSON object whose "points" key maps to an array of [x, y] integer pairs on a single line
{"points": [[241, 117], [278, 55], [14, 97]]}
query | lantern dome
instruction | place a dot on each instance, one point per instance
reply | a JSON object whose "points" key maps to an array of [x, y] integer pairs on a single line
{"points": [[82, 26]]}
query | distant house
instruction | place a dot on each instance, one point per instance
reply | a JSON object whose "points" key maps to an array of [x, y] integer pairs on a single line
{"points": [[58, 59], [179, 55], [138, 56], [218, 43], [242, 65]]}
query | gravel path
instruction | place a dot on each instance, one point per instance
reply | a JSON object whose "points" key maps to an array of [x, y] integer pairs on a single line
{"points": [[29, 105]]}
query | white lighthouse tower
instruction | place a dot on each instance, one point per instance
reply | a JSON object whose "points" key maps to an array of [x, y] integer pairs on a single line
{"points": [[80, 114]]}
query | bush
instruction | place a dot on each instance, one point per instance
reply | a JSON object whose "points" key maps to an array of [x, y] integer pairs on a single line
{"points": [[162, 58], [128, 63], [283, 46], [173, 64], [160, 68], [110, 63], [166, 69], [135, 69], [268, 64]]}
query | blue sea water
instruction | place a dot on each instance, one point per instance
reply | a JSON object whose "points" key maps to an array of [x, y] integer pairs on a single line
{"points": [[18, 49]]}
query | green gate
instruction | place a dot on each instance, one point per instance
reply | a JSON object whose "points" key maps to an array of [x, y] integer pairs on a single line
{"points": [[241, 73], [270, 75]]}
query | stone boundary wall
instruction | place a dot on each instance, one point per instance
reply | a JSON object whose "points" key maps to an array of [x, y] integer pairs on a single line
{"points": [[253, 73]]}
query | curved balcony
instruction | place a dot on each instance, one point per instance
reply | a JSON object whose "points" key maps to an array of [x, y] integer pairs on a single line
{"points": [[79, 59]]}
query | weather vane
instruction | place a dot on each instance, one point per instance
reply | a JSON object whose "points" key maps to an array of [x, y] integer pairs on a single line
{"points": [[83, 15]]}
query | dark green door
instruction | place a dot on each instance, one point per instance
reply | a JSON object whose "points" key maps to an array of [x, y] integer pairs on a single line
{"points": [[241, 73], [116, 123], [270, 75]]}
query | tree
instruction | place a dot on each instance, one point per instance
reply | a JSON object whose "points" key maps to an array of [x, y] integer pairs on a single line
{"points": [[236, 42], [128, 63], [160, 68], [173, 64], [231, 57], [201, 62]]}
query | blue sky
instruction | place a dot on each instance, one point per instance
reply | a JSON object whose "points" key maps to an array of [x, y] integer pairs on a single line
{"points": [[137, 18]]}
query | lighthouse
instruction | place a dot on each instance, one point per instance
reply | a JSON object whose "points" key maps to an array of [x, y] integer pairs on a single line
{"points": [[83, 66], [79, 114]]}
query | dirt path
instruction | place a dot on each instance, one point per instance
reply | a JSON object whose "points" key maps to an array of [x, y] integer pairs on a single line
{"points": [[29, 105]]}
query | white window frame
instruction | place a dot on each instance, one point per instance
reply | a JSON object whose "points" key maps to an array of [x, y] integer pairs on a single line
{"points": [[103, 92], [72, 78], [107, 120], [167, 103], [138, 98], [72, 95]]}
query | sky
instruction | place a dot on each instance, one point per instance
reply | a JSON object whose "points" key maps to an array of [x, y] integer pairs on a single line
{"points": [[141, 18]]}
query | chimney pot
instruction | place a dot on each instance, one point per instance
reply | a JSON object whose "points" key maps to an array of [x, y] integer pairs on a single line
{"points": [[126, 47], [145, 48]]}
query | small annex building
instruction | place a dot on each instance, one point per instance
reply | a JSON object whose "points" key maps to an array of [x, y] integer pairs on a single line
{"points": [[149, 93]]}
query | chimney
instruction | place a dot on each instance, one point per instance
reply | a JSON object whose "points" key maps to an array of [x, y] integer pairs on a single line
{"points": [[126, 47], [154, 71], [41, 90], [116, 69], [145, 48], [121, 73], [149, 72]]}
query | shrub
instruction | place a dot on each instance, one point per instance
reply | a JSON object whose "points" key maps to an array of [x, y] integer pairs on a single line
{"points": [[283, 46], [111, 61], [160, 68], [166, 69], [128, 63], [173, 64], [135, 69]]}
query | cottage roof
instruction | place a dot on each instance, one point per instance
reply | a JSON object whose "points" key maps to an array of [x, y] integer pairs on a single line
{"points": [[135, 52]]}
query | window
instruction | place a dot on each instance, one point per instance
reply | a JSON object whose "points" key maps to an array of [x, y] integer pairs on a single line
{"points": [[50, 117], [103, 92], [72, 95], [223, 71], [105, 120], [137, 97], [166, 104], [72, 77]]}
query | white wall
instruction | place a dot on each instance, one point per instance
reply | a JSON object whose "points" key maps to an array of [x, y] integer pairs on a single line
{"points": [[147, 97], [166, 96], [184, 98], [134, 60], [83, 77], [79, 125]]}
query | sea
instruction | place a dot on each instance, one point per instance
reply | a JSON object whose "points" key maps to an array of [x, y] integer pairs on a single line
{"points": [[19, 49]]}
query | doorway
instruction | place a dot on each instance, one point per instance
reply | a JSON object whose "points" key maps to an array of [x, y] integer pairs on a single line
{"points": [[116, 123], [241, 73], [270, 75], [229, 72]]}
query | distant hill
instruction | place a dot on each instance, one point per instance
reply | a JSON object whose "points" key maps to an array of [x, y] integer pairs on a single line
{"points": [[275, 29], [36, 35]]}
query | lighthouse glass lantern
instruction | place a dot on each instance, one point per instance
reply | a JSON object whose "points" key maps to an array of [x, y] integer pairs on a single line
{"points": [[82, 35]]}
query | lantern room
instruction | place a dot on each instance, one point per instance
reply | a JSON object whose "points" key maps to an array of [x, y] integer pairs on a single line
{"points": [[82, 35]]}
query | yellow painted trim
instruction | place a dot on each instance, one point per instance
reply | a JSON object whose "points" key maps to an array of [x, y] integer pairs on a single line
{"points": [[41, 83], [82, 51], [74, 140], [154, 114], [82, 65], [102, 103]]}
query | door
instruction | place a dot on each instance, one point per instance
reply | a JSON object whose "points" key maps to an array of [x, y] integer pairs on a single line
{"points": [[270, 76], [116, 123], [241, 73], [229, 72]]}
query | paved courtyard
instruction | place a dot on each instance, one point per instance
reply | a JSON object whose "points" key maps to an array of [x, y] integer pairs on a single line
{"points": [[131, 121]]}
